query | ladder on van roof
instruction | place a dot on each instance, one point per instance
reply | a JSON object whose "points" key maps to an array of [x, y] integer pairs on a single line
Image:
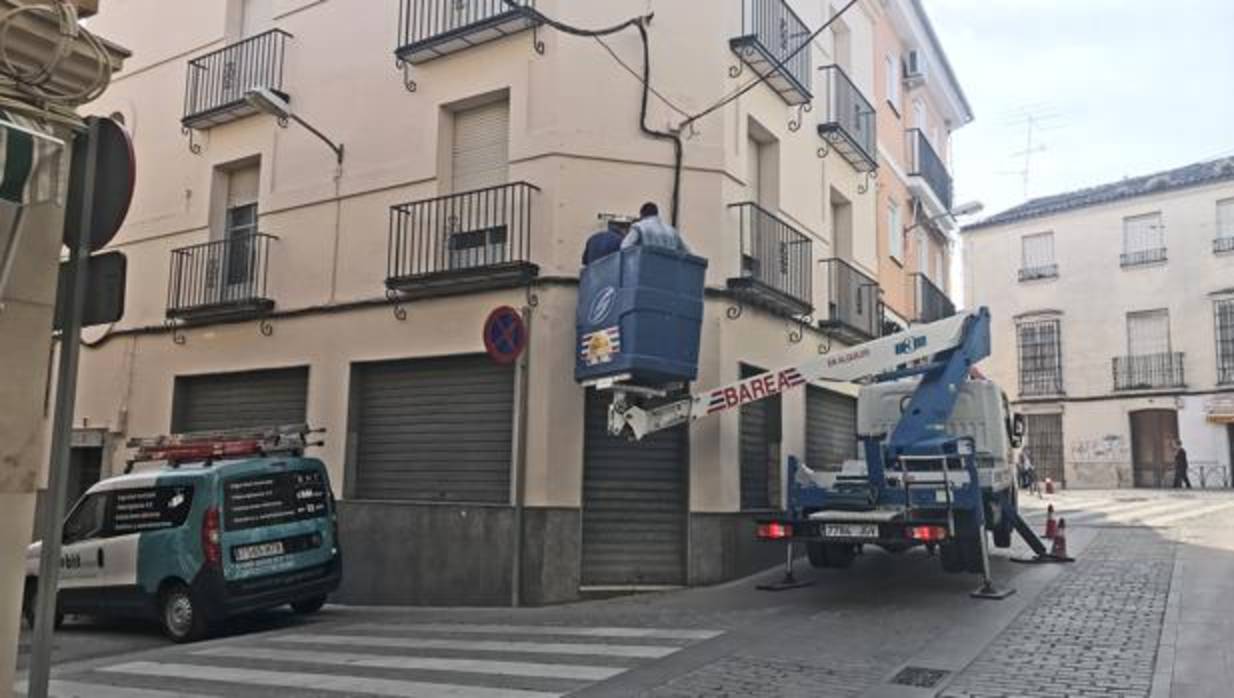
{"points": [[208, 446]]}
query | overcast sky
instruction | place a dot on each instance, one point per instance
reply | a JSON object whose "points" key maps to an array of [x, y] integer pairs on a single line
{"points": [[1125, 87]]}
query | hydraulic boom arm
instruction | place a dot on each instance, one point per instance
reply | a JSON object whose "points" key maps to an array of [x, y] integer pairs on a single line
{"points": [[878, 357]]}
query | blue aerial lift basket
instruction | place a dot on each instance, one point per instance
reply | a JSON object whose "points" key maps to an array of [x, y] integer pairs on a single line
{"points": [[640, 312]]}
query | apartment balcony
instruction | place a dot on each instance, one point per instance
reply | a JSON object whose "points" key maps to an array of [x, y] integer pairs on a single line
{"points": [[465, 242], [928, 178], [848, 121], [220, 280], [854, 307], [1142, 258], [930, 303], [429, 29], [775, 263], [1149, 371], [1223, 244], [217, 82], [770, 32], [1041, 271]]}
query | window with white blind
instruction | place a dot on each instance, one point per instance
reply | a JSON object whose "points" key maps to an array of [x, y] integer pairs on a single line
{"points": [[1148, 333], [1143, 240], [893, 81], [1037, 257], [895, 235], [1225, 219], [480, 155]]}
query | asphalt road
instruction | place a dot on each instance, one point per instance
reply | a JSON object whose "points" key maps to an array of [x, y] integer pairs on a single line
{"points": [[893, 625]]}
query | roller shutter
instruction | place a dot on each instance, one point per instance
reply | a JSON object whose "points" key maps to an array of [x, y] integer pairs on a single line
{"points": [[760, 449], [831, 429], [634, 504], [237, 400], [432, 429], [481, 150]]}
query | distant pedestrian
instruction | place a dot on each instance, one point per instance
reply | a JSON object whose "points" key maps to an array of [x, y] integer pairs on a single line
{"points": [[1028, 473], [603, 243], [1180, 466], [651, 231]]}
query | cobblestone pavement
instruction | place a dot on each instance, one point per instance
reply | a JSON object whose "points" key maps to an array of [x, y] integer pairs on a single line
{"points": [[1094, 632], [753, 676]]}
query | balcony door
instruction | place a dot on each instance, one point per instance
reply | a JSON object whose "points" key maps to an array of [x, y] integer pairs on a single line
{"points": [[476, 225], [233, 260], [1148, 333]]}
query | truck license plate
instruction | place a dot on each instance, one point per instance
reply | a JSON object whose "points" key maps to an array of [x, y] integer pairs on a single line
{"points": [[259, 551], [850, 531]]}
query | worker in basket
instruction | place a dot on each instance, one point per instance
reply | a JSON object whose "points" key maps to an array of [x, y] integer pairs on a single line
{"points": [[652, 231]]}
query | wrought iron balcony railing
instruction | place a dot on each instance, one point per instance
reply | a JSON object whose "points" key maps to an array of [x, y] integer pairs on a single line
{"points": [[462, 242], [770, 33], [1041, 271], [929, 302], [429, 29], [1149, 371], [217, 82], [854, 304], [924, 162], [220, 279], [848, 120], [1142, 257], [775, 262], [1223, 244]]}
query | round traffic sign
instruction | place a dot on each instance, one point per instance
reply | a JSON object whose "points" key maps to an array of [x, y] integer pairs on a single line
{"points": [[114, 178], [505, 335]]}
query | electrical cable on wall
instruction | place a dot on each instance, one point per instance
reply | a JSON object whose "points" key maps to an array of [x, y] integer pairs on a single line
{"points": [[675, 134], [641, 24]]}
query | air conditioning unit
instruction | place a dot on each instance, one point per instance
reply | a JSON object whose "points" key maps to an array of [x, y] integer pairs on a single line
{"points": [[915, 67]]}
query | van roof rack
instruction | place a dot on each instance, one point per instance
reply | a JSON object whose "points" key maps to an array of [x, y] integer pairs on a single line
{"points": [[207, 446]]}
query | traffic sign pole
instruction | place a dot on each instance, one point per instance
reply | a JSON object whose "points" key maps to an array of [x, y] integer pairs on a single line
{"points": [[62, 429]]}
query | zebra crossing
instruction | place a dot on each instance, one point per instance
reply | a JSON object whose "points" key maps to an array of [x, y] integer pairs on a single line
{"points": [[410, 660], [1151, 509]]}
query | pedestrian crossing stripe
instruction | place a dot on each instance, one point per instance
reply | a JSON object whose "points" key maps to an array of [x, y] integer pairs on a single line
{"points": [[413, 660], [330, 683]]}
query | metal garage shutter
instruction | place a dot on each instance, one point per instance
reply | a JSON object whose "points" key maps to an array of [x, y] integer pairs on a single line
{"points": [[831, 429], [433, 429], [481, 149], [236, 400], [760, 449], [634, 504]]}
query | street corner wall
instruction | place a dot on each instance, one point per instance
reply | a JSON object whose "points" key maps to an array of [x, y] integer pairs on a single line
{"points": [[26, 310]]}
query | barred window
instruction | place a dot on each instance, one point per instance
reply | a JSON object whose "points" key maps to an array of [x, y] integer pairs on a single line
{"points": [[1040, 351], [1225, 341]]}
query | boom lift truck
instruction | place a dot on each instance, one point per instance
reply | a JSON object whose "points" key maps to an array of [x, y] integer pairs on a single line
{"points": [[937, 441]]}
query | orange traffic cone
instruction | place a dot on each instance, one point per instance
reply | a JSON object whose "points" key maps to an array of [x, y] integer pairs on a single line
{"points": [[1059, 549], [1051, 526]]}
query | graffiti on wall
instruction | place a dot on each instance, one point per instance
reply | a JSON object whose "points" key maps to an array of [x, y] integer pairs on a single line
{"points": [[1111, 448]]}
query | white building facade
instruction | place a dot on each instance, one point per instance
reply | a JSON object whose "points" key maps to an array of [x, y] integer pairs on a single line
{"points": [[1113, 323]]}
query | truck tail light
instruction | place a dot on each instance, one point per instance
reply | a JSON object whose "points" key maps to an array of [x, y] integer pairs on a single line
{"points": [[928, 534], [774, 531], [211, 537]]}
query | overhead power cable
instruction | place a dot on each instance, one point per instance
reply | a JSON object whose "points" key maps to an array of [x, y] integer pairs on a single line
{"points": [[763, 78], [639, 23]]}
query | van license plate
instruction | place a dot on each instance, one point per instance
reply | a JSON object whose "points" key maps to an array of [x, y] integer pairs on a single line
{"points": [[259, 551], [850, 531]]}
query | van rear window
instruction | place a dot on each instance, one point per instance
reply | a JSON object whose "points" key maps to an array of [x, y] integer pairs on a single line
{"points": [[150, 508], [275, 498]]}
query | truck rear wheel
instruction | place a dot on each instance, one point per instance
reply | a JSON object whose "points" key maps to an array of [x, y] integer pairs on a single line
{"points": [[831, 555], [961, 555]]}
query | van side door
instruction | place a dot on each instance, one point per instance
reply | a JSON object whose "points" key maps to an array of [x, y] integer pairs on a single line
{"points": [[81, 579]]}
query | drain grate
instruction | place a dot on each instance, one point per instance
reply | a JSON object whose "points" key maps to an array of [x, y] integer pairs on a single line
{"points": [[919, 677]]}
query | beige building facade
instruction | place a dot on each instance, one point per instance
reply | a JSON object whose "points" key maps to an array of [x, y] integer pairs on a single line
{"points": [[270, 282], [1113, 320]]}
